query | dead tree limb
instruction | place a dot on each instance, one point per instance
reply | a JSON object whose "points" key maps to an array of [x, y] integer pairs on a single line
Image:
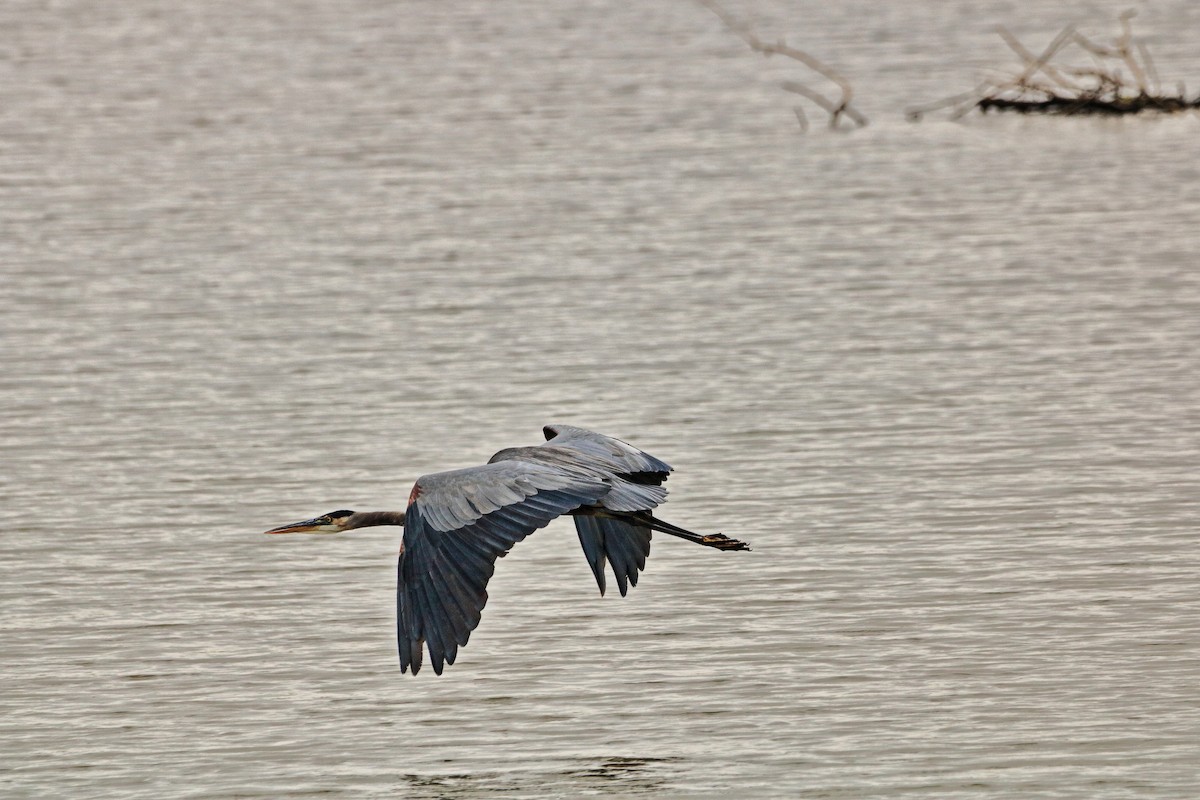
{"points": [[836, 109], [1121, 80], [801, 118], [1035, 64]]}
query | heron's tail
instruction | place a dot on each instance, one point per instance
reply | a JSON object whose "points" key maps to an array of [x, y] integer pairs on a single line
{"points": [[648, 520]]}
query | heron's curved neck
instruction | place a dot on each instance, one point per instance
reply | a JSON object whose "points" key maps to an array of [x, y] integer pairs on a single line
{"points": [[365, 519]]}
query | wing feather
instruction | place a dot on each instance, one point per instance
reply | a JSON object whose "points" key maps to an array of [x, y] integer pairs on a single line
{"points": [[474, 568], [623, 546], [457, 525], [621, 456], [636, 476], [637, 486], [461, 596], [445, 598], [434, 625]]}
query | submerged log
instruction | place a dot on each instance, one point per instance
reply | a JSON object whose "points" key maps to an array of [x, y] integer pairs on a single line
{"points": [[1067, 105]]}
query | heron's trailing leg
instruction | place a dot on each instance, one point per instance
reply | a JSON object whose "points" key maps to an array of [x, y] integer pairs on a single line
{"points": [[646, 519]]}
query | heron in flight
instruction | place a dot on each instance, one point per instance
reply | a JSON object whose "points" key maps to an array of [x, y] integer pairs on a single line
{"points": [[459, 522]]}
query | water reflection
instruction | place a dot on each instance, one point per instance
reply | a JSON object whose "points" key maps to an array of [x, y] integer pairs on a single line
{"points": [[609, 775], [624, 774]]}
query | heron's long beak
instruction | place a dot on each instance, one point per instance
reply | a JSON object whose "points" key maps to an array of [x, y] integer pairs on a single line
{"points": [[318, 525]]}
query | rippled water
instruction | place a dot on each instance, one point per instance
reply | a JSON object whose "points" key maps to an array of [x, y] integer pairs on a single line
{"points": [[264, 260]]}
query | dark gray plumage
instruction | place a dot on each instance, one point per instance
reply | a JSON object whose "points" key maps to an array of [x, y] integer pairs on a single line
{"points": [[459, 522]]}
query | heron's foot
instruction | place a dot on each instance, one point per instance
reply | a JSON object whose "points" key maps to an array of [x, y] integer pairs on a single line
{"points": [[723, 542]]}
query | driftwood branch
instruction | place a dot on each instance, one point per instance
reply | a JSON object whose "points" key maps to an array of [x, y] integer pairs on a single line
{"points": [[1121, 79], [836, 108], [1035, 64], [801, 118]]}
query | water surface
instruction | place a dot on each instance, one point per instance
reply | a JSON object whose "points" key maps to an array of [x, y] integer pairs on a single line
{"points": [[260, 261]]}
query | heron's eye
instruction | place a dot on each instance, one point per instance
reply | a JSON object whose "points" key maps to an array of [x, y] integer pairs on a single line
{"points": [[325, 521]]}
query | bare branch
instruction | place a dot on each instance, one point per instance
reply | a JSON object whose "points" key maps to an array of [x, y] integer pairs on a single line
{"points": [[746, 33], [1121, 80], [801, 117], [1040, 63], [1151, 71], [1127, 55]]}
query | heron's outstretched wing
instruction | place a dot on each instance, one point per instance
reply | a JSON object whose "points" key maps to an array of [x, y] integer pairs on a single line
{"points": [[456, 526], [621, 457]]}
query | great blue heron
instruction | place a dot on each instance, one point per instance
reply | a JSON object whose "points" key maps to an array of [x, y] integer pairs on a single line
{"points": [[458, 523]]}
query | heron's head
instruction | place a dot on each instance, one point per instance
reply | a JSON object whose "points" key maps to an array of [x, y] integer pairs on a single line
{"points": [[333, 522]]}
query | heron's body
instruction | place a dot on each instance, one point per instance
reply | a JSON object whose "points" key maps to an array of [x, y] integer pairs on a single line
{"points": [[459, 522]]}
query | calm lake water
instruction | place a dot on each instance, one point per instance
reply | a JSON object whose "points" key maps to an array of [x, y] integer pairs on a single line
{"points": [[263, 260]]}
